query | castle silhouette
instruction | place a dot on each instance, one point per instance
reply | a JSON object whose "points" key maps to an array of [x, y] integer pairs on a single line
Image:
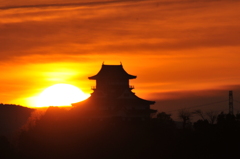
{"points": [[112, 97]]}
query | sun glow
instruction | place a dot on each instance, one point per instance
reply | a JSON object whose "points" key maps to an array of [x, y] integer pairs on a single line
{"points": [[60, 95]]}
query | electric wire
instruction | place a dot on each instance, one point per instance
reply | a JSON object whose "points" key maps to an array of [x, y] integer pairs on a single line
{"points": [[202, 105]]}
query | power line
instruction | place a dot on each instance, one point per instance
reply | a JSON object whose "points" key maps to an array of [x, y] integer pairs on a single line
{"points": [[236, 101], [202, 105]]}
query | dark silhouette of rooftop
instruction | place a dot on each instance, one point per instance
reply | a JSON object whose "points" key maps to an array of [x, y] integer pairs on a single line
{"points": [[112, 71]]}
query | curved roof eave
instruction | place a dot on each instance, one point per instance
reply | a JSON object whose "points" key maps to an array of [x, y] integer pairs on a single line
{"points": [[112, 70]]}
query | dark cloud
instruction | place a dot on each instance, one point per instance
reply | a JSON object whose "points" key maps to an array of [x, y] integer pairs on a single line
{"points": [[87, 3]]}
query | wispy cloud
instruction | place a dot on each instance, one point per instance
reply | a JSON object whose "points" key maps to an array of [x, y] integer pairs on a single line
{"points": [[87, 3]]}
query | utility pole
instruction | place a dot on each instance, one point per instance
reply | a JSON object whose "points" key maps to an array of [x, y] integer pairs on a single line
{"points": [[231, 102]]}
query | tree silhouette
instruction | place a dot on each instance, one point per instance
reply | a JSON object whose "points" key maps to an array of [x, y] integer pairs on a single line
{"points": [[164, 117], [184, 115], [212, 116], [199, 113], [165, 121]]}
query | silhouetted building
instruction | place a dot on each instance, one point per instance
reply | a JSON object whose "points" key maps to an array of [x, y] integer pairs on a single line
{"points": [[113, 96]]}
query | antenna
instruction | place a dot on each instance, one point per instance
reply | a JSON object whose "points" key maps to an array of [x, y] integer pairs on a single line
{"points": [[231, 102]]}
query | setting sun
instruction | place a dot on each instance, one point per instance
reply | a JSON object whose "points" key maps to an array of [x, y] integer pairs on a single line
{"points": [[60, 95]]}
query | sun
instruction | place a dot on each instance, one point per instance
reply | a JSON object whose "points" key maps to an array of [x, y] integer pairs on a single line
{"points": [[60, 95]]}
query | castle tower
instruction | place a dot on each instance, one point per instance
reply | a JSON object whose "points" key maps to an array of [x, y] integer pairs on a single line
{"points": [[113, 97], [111, 80]]}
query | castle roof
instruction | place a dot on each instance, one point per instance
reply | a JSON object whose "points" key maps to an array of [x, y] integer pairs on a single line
{"points": [[112, 71]]}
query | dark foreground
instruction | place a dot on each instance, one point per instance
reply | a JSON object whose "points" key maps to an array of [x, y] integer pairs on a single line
{"points": [[62, 135]]}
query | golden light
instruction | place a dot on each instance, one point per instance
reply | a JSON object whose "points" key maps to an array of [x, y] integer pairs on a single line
{"points": [[60, 95]]}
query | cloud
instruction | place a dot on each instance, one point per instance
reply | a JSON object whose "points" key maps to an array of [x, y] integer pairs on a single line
{"points": [[120, 28], [172, 46]]}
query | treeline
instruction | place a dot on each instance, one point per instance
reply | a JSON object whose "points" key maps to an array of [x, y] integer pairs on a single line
{"points": [[61, 134], [12, 118]]}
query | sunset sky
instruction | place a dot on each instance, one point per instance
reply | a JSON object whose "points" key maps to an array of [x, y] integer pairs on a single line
{"points": [[183, 52]]}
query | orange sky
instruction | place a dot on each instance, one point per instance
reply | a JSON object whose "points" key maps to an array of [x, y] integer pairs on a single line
{"points": [[171, 45]]}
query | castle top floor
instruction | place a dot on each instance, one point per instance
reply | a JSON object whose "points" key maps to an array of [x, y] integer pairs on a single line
{"points": [[112, 72]]}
